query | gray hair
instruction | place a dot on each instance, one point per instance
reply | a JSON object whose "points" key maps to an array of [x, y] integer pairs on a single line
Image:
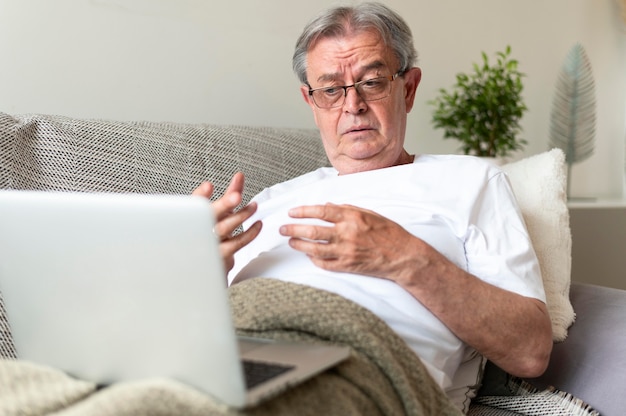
{"points": [[340, 21]]}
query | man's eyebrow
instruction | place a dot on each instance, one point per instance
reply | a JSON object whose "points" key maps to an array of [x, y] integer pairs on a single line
{"points": [[364, 70], [329, 77]]}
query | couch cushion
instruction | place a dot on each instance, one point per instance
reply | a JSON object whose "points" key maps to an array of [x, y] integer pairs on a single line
{"points": [[539, 183], [60, 153], [591, 363]]}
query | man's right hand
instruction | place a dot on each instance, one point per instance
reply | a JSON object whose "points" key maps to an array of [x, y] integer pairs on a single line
{"points": [[228, 219]]}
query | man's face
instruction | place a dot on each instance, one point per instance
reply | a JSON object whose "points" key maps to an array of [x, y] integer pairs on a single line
{"points": [[360, 135]]}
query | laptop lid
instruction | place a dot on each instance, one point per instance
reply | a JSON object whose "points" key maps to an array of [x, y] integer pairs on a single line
{"points": [[114, 287]]}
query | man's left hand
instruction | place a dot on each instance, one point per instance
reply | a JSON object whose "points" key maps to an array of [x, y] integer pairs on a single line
{"points": [[355, 241]]}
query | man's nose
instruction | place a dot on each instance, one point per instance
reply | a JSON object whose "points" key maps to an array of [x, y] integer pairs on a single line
{"points": [[354, 103]]}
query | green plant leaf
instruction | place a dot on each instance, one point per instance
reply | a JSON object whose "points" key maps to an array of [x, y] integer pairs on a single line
{"points": [[484, 108]]}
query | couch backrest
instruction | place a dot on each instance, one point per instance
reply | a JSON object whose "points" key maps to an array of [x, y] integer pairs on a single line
{"points": [[45, 152], [54, 153]]}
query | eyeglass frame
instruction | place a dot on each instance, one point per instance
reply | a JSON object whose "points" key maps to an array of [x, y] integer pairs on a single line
{"points": [[391, 78]]}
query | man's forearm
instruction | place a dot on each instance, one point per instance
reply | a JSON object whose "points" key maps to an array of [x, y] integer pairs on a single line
{"points": [[511, 330]]}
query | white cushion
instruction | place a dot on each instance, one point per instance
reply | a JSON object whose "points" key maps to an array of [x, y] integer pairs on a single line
{"points": [[539, 183]]}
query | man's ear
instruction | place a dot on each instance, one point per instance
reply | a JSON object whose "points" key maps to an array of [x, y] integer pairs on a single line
{"points": [[304, 90], [412, 79]]}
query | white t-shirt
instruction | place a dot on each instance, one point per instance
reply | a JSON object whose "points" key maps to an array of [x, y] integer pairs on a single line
{"points": [[462, 206]]}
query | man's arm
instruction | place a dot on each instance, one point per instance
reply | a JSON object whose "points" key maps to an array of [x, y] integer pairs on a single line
{"points": [[511, 330]]}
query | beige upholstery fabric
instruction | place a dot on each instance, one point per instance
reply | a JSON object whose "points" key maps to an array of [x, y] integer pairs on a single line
{"points": [[59, 153]]}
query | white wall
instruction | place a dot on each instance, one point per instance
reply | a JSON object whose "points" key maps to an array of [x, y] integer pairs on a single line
{"points": [[230, 63]]}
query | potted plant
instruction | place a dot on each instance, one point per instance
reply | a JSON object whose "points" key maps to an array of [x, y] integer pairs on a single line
{"points": [[483, 109]]}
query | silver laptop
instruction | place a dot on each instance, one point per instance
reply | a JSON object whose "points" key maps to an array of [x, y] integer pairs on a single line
{"points": [[111, 287]]}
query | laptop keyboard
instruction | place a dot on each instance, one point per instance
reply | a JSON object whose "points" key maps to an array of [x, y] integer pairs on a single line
{"points": [[256, 372]]}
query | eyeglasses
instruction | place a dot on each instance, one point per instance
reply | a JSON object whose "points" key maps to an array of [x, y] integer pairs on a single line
{"points": [[369, 90]]}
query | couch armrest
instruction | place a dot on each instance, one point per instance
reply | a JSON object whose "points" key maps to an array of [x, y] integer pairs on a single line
{"points": [[591, 362]]}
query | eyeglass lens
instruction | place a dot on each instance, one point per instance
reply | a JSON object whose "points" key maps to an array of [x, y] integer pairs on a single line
{"points": [[368, 90]]}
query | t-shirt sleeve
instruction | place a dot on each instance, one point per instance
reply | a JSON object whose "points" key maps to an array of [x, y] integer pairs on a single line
{"points": [[498, 248]]}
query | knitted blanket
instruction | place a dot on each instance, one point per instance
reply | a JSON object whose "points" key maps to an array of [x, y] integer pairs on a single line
{"points": [[381, 377]]}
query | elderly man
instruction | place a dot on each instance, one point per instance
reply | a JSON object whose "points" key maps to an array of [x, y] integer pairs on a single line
{"points": [[434, 245]]}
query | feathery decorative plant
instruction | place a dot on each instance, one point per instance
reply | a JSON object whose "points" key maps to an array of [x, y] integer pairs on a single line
{"points": [[483, 109], [573, 118]]}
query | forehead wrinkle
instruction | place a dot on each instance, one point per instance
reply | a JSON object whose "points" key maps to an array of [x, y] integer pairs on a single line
{"points": [[336, 76]]}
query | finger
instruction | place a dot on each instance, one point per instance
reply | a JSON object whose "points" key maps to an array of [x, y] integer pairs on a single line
{"points": [[327, 212], [229, 247], [231, 199], [236, 183], [314, 249], [224, 228], [308, 232], [205, 189], [243, 239], [225, 205]]}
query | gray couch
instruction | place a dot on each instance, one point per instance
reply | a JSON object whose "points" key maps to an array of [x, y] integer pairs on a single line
{"points": [[64, 154]]}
